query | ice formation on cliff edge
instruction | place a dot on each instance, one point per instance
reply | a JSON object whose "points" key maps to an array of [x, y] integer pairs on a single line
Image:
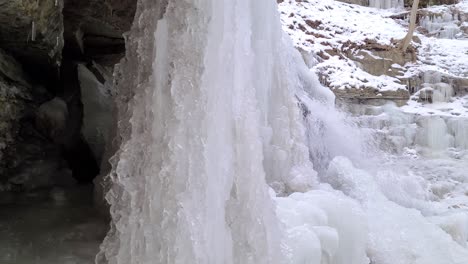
{"points": [[216, 119], [216, 113]]}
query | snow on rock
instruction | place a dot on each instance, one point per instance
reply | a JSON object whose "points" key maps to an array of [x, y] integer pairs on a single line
{"points": [[332, 29], [319, 25], [357, 55], [447, 56]]}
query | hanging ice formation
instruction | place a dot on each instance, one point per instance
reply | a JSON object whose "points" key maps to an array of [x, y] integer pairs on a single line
{"points": [[385, 4], [212, 104], [214, 117]]}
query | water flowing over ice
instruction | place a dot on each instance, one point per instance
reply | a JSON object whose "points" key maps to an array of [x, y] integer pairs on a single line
{"points": [[216, 107]]}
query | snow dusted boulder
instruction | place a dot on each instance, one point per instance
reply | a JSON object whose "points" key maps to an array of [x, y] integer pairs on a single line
{"points": [[388, 61]]}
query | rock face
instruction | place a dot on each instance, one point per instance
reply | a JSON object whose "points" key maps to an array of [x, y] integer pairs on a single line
{"points": [[14, 95], [95, 27], [33, 31], [51, 119], [356, 2], [27, 158], [49, 135], [367, 95], [425, 3], [382, 62]]}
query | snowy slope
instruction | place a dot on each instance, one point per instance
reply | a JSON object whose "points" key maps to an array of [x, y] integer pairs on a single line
{"points": [[319, 25], [330, 28], [341, 33]]}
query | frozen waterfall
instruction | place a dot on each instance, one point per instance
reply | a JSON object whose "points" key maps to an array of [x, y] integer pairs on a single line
{"points": [[214, 117], [385, 4], [220, 124]]}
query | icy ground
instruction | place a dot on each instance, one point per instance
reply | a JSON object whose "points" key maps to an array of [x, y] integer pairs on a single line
{"points": [[56, 226], [412, 196], [331, 28]]}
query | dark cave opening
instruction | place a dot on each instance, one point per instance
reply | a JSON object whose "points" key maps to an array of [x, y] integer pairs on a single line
{"points": [[51, 203]]}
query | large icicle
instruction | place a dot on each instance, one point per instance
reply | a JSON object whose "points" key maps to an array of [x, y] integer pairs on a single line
{"points": [[385, 4], [208, 116]]}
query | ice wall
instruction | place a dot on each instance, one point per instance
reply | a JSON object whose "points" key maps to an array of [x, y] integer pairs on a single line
{"points": [[212, 116], [393, 130], [397, 234], [385, 4], [445, 25], [215, 106]]}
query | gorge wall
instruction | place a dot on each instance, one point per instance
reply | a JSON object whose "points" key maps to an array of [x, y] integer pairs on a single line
{"points": [[57, 61]]}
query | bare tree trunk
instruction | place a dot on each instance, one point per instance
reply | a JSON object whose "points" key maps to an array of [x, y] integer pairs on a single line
{"points": [[412, 26]]}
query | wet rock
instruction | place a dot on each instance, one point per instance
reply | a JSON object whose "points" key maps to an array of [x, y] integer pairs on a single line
{"points": [[28, 158], [95, 27], [426, 94], [51, 119], [32, 31], [40, 165], [460, 86], [80, 160], [15, 94]]}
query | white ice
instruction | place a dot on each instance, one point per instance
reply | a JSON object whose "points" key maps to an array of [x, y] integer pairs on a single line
{"points": [[215, 164]]}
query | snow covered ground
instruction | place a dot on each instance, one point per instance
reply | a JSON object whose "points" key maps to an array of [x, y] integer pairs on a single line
{"points": [[340, 33], [413, 196], [330, 28]]}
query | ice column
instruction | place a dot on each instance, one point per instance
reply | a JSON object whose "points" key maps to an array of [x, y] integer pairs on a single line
{"points": [[385, 4], [209, 113]]}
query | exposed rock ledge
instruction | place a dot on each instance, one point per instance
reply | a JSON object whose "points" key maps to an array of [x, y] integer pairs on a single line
{"points": [[32, 31]]}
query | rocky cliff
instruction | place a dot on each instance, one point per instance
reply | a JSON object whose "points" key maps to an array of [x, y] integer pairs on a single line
{"points": [[56, 64]]}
